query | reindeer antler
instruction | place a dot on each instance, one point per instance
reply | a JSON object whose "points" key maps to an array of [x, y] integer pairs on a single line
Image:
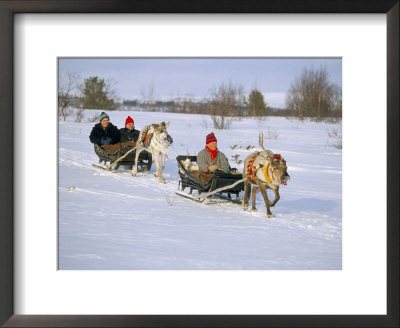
{"points": [[270, 154], [261, 140]]}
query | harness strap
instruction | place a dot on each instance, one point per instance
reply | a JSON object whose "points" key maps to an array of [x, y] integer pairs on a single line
{"points": [[145, 131], [147, 138], [266, 172], [252, 170]]}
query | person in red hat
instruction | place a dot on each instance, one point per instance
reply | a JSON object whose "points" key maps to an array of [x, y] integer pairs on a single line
{"points": [[210, 158], [128, 133]]}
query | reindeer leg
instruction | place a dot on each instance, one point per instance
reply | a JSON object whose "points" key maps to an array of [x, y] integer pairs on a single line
{"points": [[265, 196], [247, 189], [134, 168], [253, 198], [160, 177], [277, 197], [163, 156], [155, 158], [158, 173]]}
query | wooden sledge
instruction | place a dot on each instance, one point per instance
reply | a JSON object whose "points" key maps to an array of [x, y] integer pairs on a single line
{"points": [[194, 180], [110, 153]]}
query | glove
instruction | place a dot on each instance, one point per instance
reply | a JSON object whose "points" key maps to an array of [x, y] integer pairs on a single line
{"points": [[212, 168]]}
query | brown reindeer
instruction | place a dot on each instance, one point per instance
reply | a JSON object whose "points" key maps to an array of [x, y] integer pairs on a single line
{"points": [[264, 170]]}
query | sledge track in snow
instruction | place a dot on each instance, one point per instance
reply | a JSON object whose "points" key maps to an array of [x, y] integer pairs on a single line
{"points": [[106, 193], [211, 201]]}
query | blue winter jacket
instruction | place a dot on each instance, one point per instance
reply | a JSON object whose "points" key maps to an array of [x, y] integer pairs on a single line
{"points": [[108, 136]]}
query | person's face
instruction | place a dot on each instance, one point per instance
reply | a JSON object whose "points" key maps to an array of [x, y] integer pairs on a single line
{"points": [[129, 126], [212, 145], [104, 122]]}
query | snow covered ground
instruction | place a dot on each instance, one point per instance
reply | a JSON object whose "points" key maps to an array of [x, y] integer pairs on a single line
{"points": [[114, 221]]}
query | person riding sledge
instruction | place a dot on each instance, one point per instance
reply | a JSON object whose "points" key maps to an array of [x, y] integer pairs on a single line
{"points": [[210, 158], [104, 133], [129, 133]]}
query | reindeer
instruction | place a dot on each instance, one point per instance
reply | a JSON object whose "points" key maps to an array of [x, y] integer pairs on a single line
{"points": [[264, 170], [157, 136]]}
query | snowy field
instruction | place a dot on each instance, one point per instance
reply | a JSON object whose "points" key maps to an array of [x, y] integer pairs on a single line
{"points": [[113, 221]]}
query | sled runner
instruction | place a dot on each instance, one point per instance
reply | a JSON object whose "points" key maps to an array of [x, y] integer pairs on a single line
{"points": [[110, 153], [190, 178]]}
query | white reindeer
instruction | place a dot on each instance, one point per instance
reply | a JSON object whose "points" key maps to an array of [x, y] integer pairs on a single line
{"points": [[159, 142]]}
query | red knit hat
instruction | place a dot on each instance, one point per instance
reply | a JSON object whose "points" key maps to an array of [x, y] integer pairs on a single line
{"points": [[129, 120], [210, 138]]}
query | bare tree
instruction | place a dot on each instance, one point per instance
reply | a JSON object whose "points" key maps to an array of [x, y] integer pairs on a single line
{"points": [[148, 99], [186, 104], [68, 83], [312, 95], [336, 136], [225, 103], [110, 89], [336, 101], [79, 115]]}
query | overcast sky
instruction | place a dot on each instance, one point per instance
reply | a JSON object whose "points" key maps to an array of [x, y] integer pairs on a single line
{"points": [[194, 77]]}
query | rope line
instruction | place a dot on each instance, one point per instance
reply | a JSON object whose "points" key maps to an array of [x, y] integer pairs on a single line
{"points": [[108, 167], [201, 198]]}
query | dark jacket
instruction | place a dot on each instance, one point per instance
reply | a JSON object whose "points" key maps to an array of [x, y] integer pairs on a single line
{"points": [[101, 136], [129, 135]]}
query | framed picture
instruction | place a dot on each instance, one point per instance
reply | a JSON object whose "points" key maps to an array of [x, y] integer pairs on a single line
{"points": [[162, 303]]}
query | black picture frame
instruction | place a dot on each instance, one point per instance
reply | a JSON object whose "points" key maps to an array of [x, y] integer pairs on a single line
{"points": [[10, 7]]}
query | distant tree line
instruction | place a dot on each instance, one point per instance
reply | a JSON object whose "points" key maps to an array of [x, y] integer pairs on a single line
{"points": [[310, 95]]}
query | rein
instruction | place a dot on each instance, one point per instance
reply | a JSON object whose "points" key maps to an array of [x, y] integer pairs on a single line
{"points": [[201, 198]]}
